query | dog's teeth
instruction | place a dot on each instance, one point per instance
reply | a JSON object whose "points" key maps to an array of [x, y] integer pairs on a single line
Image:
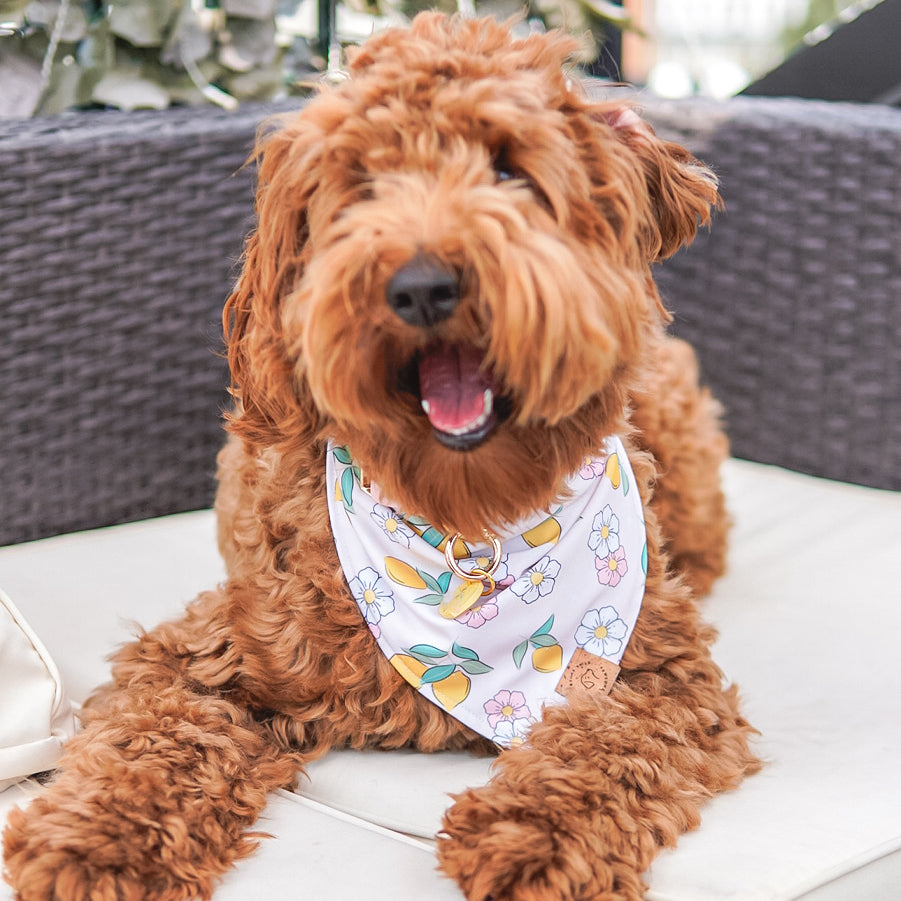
{"points": [[426, 407]]}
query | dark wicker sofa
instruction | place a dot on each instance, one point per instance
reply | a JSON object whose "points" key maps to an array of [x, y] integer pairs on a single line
{"points": [[120, 233]]}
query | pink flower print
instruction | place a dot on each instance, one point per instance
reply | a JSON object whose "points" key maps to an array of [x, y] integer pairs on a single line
{"points": [[612, 568], [591, 468], [476, 617], [506, 706]]}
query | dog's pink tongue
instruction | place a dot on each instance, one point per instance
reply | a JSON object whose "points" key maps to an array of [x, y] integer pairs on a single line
{"points": [[453, 387]]}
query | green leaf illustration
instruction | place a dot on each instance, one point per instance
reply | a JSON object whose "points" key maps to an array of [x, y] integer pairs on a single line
{"points": [[437, 673], [430, 600], [464, 653], [519, 652], [625, 478], [444, 581], [347, 488], [475, 667], [418, 522], [546, 628], [342, 455], [543, 641], [426, 650], [433, 536], [433, 584]]}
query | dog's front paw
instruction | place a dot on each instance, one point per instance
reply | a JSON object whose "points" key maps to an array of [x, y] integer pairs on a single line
{"points": [[498, 847], [41, 867], [58, 855]]}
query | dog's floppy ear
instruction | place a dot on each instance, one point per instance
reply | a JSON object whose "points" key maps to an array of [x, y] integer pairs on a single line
{"points": [[681, 190], [270, 403]]}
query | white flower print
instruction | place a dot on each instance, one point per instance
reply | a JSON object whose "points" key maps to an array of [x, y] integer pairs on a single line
{"points": [[601, 632], [392, 524], [537, 581], [604, 537], [511, 733], [373, 597]]}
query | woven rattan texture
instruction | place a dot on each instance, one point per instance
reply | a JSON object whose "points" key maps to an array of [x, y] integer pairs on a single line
{"points": [[793, 299], [118, 240]]}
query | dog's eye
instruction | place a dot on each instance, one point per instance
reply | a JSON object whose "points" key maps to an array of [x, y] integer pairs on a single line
{"points": [[502, 166]]}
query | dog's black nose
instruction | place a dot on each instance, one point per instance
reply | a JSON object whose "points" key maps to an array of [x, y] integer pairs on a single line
{"points": [[423, 292]]}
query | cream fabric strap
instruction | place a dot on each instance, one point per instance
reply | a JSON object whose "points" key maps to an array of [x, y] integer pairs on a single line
{"points": [[569, 586]]}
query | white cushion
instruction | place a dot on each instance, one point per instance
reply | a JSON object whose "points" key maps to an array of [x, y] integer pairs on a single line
{"points": [[809, 619]]}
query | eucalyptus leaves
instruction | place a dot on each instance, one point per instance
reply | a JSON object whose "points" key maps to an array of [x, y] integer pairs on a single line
{"points": [[128, 54]]}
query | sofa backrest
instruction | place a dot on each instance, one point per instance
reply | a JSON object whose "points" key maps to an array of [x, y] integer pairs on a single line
{"points": [[119, 238], [793, 297]]}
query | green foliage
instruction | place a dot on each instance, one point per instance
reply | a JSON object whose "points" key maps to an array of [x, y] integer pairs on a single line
{"points": [[64, 54], [57, 55]]}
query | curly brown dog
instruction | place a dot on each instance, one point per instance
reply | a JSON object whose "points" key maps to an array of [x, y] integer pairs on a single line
{"points": [[447, 304]]}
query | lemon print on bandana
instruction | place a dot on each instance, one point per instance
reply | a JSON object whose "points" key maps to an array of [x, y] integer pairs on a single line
{"points": [[448, 677], [566, 585], [547, 532], [547, 656]]}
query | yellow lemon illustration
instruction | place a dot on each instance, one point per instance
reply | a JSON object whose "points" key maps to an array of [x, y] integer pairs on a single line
{"points": [[549, 659], [611, 469], [403, 573], [547, 532], [339, 497], [453, 690], [410, 668]]}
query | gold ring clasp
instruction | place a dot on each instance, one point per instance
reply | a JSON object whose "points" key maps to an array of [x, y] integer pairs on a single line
{"points": [[487, 580], [479, 574]]}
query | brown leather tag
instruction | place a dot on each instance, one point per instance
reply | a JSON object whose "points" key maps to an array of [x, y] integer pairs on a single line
{"points": [[586, 672]]}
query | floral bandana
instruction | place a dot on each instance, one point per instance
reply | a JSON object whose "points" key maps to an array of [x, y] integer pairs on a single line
{"points": [[566, 595]]}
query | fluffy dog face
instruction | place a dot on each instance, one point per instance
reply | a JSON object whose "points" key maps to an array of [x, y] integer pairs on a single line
{"points": [[451, 269]]}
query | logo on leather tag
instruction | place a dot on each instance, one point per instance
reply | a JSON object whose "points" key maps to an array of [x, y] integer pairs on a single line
{"points": [[586, 672]]}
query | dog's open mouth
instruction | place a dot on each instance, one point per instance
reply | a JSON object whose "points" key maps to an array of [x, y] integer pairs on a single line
{"points": [[458, 394]]}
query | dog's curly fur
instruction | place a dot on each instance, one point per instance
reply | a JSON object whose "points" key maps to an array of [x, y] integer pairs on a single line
{"points": [[456, 140]]}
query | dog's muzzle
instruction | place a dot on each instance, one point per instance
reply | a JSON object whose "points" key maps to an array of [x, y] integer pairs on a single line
{"points": [[456, 389]]}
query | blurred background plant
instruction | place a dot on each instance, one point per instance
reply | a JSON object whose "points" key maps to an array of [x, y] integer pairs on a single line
{"points": [[58, 55]]}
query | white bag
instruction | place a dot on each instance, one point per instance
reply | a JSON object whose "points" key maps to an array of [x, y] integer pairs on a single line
{"points": [[36, 717]]}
